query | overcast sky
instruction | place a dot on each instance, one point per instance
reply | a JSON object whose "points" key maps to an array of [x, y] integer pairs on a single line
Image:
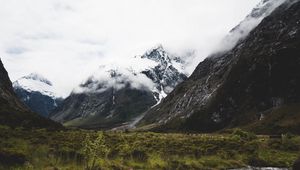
{"points": [[67, 40]]}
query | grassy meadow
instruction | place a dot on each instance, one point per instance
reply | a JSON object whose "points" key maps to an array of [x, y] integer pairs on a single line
{"points": [[93, 150]]}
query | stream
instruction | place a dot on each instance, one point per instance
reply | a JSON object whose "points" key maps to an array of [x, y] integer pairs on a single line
{"points": [[261, 168]]}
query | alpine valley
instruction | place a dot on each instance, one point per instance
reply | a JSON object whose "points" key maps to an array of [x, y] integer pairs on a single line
{"points": [[239, 108], [119, 96], [14, 113], [255, 85]]}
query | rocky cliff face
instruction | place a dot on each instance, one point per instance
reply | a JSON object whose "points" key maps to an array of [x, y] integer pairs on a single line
{"points": [[7, 96], [117, 96], [37, 93], [166, 74], [255, 85], [13, 112]]}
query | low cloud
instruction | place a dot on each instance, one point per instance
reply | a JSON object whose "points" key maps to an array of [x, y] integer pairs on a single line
{"points": [[109, 76], [263, 9], [67, 40]]}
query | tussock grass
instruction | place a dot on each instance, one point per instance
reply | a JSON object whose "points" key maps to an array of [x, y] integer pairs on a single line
{"points": [[80, 149]]}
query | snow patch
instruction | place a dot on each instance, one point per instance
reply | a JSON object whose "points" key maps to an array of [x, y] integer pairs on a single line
{"points": [[37, 83]]}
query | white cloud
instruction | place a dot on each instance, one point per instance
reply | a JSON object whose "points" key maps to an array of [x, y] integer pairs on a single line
{"points": [[117, 77], [67, 40], [263, 9]]}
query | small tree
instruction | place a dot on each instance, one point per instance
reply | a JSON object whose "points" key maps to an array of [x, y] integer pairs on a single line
{"points": [[94, 149], [125, 148]]}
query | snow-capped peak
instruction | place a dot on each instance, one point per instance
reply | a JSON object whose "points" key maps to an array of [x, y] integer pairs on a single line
{"points": [[37, 83], [163, 58], [156, 70], [157, 54], [38, 77]]}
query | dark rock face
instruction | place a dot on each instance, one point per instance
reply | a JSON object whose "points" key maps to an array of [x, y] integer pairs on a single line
{"points": [[104, 110], [13, 112], [7, 99], [114, 101], [38, 102], [165, 76], [37, 93], [296, 165], [255, 85]]}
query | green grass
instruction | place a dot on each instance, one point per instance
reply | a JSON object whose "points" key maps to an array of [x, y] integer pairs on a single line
{"points": [[42, 149]]}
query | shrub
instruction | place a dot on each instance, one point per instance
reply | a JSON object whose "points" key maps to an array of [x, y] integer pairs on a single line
{"points": [[251, 147], [125, 149], [290, 143], [254, 160], [139, 155], [94, 149], [244, 135], [10, 158]]}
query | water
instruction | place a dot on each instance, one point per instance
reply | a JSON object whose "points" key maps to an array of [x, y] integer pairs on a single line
{"points": [[261, 168]]}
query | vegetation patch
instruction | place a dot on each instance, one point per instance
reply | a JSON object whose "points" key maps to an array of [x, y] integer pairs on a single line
{"points": [[93, 150]]}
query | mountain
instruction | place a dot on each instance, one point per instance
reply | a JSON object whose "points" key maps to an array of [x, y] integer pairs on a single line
{"points": [[238, 33], [13, 112], [255, 85], [166, 73], [118, 95], [37, 93]]}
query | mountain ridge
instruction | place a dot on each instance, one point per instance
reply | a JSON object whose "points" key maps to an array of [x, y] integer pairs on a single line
{"points": [[38, 93], [230, 89], [14, 113], [119, 95]]}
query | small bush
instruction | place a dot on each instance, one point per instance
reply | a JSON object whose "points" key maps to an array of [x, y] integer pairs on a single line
{"points": [[94, 149], [244, 135], [10, 158], [254, 160], [290, 143], [251, 147], [139, 155]]}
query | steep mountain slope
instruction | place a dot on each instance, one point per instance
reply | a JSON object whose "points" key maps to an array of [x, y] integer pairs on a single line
{"points": [[255, 85], [116, 96], [166, 73], [37, 93], [13, 112]]}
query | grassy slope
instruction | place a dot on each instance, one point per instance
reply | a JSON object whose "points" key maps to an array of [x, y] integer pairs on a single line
{"points": [[278, 120], [26, 119], [40, 149]]}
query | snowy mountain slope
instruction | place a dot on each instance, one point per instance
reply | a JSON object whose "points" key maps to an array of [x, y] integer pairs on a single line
{"points": [[37, 93], [166, 74], [37, 83], [100, 101], [14, 113]]}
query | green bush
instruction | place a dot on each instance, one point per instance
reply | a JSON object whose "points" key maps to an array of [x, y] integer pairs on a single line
{"points": [[139, 155], [251, 147], [244, 135], [94, 149]]}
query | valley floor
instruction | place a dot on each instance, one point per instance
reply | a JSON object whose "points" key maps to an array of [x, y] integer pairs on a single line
{"points": [[79, 149]]}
